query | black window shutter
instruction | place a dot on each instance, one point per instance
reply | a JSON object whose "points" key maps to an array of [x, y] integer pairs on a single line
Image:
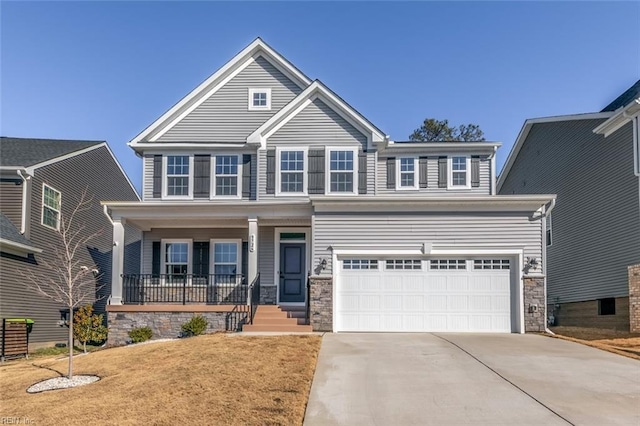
{"points": [[245, 259], [362, 172], [475, 171], [271, 171], [391, 173], [155, 258], [201, 176], [201, 258], [246, 176], [157, 176], [423, 171], [442, 172], [316, 171]]}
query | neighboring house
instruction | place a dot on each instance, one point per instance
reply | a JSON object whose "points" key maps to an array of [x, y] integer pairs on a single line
{"points": [[40, 180], [593, 235], [263, 176]]}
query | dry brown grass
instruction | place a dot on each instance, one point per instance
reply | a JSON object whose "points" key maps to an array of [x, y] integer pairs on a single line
{"points": [[619, 342], [215, 379]]}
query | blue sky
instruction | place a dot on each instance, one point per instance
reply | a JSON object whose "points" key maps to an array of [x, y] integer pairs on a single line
{"points": [[105, 71]]}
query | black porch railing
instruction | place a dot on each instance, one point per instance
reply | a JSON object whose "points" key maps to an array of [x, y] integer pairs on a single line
{"points": [[307, 301], [214, 289], [254, 290]]}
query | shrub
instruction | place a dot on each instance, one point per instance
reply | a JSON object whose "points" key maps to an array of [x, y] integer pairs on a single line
{"points": [[88, 327], [140, 334], [195, 326]]}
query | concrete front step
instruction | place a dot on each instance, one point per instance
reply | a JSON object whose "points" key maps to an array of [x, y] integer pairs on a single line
{"points": [[280, 328], [279, 314], [278, 321]]}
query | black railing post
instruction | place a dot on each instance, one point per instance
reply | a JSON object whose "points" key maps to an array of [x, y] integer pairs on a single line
{"points": [[184, 289], [307, 311]]}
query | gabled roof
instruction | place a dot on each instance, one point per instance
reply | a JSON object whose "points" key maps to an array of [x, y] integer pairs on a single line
{"points": [[316, 90], [208, 87], [623, 100], [526, 128], [25, 152], [12, 238]]}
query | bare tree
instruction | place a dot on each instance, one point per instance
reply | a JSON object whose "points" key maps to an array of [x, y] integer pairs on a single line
{"points": [[68, 280]]}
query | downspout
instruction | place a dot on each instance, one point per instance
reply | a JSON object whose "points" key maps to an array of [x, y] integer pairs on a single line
{"points": [[547, 211], [23, 219]]}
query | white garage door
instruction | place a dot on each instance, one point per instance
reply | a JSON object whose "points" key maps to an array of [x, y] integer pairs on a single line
{"points": [[406, 295]]}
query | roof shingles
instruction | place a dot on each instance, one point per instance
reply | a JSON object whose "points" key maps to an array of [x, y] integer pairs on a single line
{"points": [[24, 152]]}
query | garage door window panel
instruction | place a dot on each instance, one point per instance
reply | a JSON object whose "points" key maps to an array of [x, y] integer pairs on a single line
{"points": [[359, 264], [448, 264], [403, 264], [490, 264]]}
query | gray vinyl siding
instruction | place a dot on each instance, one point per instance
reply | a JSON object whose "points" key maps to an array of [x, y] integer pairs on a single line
{"points": [[381, 230], [100, 175], [199, 234], [266, 256], [371, 173], [432, 179], [317, 126], [596, 221], [225, 117], [11, 200]]}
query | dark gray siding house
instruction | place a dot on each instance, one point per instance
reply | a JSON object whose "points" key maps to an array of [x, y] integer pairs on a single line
{"points": [[54, 172], [593, 235]]}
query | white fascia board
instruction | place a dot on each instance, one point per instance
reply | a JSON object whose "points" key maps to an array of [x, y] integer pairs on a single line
{"points": [[245, 55], [30, 170], [621, 117], [444, 145], [178, 146], [314, 91], [524, 133], [17, 247]]}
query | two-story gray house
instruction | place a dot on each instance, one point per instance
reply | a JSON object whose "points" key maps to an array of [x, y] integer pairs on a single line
{"points": [[41, 181], [593, 236], [263, 187]]}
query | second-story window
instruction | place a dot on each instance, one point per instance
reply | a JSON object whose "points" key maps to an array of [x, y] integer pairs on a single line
{"points": [[292, 172], [407, 173], [259, 99], [459, 171], [178, 175], [226, 176], [50, 207], [341, 171]]}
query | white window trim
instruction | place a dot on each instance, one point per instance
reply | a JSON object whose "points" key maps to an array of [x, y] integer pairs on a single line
{"points": [[259, 90], [57, 227], [416, 183], [305, 174], [165, 185], [450, 184], [327, 168], [212, 258], [212, 179], [163, 257]]}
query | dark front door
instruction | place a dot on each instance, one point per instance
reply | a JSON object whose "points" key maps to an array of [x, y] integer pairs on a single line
{"points": [[292, 273]]}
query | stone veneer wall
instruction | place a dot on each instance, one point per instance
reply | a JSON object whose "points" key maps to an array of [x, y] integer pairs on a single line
{"points": [[165, 325], [534, 295], [321, 303], [634, 298], [268, 295]]}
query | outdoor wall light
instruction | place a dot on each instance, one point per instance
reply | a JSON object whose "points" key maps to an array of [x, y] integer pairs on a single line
{"points": [[323, 263]]}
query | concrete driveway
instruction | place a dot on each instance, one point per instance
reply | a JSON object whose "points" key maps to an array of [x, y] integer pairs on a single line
{"points": [[458, 379]]}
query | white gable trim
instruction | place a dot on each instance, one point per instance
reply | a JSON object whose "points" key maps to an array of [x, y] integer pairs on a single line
{"points": [[316, 91], [621, 117], [215, 81], [526, 128]]}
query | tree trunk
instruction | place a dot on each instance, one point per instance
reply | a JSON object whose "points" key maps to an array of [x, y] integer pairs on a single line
{"points": [[84, 346], [70, 375]]}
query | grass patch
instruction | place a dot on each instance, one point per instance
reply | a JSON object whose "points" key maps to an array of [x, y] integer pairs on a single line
{"points": [[54, 351], [212, 379], [615, 341]]}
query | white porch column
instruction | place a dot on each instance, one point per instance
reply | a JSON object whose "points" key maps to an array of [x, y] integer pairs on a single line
{"points": [[117, 262], [253, 250]]}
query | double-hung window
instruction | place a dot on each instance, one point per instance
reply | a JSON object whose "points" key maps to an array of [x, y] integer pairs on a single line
{"points": [[407, 172], [292, 173], [51, 207], [226, 261], [459, 175], [226, 179], [259, 99], [342, 171], [178, 177]]}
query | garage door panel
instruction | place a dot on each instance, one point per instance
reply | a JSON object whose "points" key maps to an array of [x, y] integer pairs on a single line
{"points": [[424, 299]]}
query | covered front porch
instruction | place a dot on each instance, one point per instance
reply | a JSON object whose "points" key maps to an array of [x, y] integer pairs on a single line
{"points": [[227, 258]]}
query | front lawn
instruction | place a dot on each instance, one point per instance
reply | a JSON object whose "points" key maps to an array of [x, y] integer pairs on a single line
{"points": [[214, 379]]}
